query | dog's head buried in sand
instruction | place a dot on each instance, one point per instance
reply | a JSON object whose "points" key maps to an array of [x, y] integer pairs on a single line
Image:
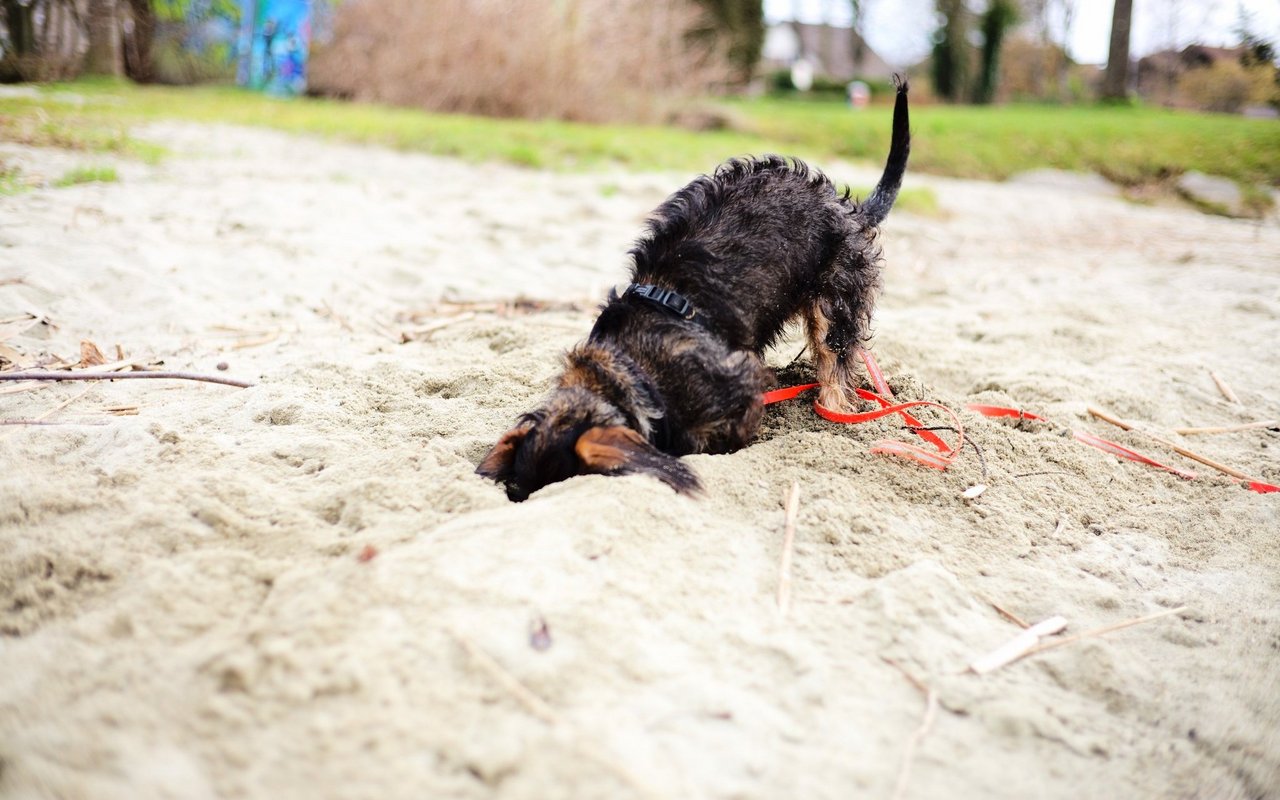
{"points": [[675, 364]]}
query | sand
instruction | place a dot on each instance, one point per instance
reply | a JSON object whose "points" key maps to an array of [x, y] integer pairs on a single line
{"points": [[301, 589]]}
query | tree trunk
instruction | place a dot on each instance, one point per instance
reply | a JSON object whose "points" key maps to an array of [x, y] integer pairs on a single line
{"points": [[22, 28], [997, 20], [950, 53], [137, 41], [858, 47], [1115, 84], [104, 56]]}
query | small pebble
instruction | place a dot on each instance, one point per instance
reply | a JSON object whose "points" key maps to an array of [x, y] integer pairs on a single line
{"points": [[222, 365], [539, 634]]}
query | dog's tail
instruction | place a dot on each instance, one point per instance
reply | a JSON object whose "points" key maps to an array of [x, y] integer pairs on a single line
{"points": [[877, 206]]}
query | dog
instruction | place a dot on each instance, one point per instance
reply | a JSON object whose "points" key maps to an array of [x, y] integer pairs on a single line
{"points": [[675, 364]]}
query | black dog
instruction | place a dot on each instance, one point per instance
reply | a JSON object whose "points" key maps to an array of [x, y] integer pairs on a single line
{"points": [[675, 364]]}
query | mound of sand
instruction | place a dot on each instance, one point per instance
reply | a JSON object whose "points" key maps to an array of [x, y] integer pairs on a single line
{"points": [[300, 589]]}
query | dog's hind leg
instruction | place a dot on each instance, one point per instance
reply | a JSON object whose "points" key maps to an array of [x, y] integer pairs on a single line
{"points": [[839, 323], [837, 377]]}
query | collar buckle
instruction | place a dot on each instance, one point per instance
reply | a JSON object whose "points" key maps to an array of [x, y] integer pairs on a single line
{"points": [[672, 301]]}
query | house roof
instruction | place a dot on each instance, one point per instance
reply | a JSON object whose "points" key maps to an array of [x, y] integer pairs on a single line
{"points": [[828, 48]]}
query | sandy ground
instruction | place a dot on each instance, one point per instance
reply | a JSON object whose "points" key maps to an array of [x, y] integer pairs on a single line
{"points": [[188, 607]]}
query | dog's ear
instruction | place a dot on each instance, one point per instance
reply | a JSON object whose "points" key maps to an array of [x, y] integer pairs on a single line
{"points": [[622, 451], [497, 464]]}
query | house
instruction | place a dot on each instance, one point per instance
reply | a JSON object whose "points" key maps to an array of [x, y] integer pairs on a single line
{"points": [[829, 49], [1157, 74]]}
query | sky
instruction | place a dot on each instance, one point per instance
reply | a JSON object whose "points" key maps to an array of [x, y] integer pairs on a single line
{"points": [[899, 29]]}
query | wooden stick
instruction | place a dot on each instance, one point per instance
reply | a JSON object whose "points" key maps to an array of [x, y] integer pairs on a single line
{"points": [[26, 386], [916, 682], [336, 317], [788, 543], [411, 334], [266, 338], [534, 704], [1009, 615], [1235, 473], [1248, 426], [1018, 646], [1105, 629], [52, 422], [86, 375], [909, 752], [539, 708], [1224, 388], [53, 410]]}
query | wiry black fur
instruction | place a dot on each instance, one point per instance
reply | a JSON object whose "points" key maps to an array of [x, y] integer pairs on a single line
{"points": [[756, 244]]}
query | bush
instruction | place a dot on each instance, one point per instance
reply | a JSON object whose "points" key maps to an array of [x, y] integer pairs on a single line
{"points": [[1227, 86], [779, 82], [590, 60]]}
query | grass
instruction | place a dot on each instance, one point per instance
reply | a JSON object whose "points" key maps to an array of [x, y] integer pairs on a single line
{"points": [[11, 180], [1130, 145], [81, 175]]}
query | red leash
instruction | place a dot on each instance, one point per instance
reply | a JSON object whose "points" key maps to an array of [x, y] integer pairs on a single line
{"points": [[941, 459], [1108, 446], [945, 455]]}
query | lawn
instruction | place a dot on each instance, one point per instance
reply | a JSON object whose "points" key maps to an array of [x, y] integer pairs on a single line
{"points": [[1128, 145]]}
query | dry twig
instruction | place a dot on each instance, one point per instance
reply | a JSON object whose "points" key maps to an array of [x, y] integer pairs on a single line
{"points": [[926, 725], [412, 334], [909, 753], [255, 341], [53, 410], [539, 708], [788, 543], [1009, 615], [1018, 646], [532, 703], [1235, 473], [1105, 629], [328, 311], [1248, 426], [52, 422], [1224, 388], [87, 375]]}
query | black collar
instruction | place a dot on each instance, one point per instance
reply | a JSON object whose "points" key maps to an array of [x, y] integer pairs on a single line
{"points": [[672, 302]]}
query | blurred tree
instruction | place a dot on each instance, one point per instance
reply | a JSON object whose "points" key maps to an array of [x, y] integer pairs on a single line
{"points": [[1257, 50], [950, 51], [995, 23], [739, 25], [104, 55], [41, 40], [20, 24], [139, 36], [855, 32], [1259, 55], [1115, 83]]}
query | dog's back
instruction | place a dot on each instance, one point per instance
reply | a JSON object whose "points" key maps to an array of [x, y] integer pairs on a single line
{"points": [[761, 240]]}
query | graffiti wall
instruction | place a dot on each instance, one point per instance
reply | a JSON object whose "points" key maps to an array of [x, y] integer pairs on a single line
{"points": [[274, 39]]}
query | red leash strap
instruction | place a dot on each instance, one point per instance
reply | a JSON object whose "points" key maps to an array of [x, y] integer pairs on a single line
{"points": [[1114, 449], [877, 377], [944, 456], [790, 392], [1108, 446]]}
